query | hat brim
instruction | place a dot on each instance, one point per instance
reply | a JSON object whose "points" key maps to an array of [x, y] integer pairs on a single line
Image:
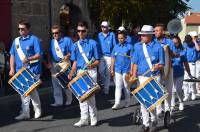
{"points": [[145, 32]]}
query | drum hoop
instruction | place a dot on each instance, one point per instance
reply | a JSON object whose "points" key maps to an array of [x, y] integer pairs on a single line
{"points": [[66, 67], [157, 103], [77, 78], [34, 86], [165, 76], [90, 93], [17, 74], [142, 85]]}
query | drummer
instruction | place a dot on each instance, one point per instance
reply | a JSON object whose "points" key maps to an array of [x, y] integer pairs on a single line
{"points": [[26, 51], [60, 49], [120, 66], [167, 83], [148, 55], [85, 56]]}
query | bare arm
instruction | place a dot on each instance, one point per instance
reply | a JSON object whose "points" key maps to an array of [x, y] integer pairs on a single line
{"points": [[12, 65], [72, 71], [112, 68], [187, 68], [194, 40]]}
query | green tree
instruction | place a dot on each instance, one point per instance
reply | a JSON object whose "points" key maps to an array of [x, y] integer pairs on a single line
{"points": [[136, 12]]}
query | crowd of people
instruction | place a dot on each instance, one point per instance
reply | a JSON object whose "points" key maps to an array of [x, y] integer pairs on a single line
{"points": [[111, 55]]}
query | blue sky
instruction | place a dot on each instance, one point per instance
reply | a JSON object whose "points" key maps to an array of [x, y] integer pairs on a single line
{"points": [[195, 5]]}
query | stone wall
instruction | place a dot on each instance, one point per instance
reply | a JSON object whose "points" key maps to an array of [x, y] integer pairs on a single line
{"points": [[37, 13]]}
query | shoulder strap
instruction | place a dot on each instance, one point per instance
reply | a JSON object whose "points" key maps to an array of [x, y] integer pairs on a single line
{"points": [[57, 49], [82, 52], [146, 54], [19, 49]]}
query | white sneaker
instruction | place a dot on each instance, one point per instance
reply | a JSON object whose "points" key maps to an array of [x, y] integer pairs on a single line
{"points": [[23, 116], [38, 113], [81, 123], [193, 97], [116, 106], [181, 106], [93, 121], [172, 108], [185, 98]]}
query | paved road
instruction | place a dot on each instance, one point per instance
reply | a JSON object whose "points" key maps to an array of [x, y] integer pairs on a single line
{"points": [[62, 119]]}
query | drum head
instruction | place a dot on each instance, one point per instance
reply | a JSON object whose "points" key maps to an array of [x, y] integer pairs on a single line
{"points": [[167, 66]]}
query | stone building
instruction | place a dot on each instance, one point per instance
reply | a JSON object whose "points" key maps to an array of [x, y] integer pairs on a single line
{"points": [[42, 14]]}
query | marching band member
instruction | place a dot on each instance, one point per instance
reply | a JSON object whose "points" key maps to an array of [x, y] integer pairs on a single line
{"points": [[120, 66], [168, 82], [178, 64], [26, 49], [128, 38], [107, 41], [147, 55], [85, 49], [192, 48], [60, 49], [195, 34]]}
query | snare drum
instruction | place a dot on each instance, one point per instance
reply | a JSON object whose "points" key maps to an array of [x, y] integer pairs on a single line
{"points": [[150, 94], [24, 82], [83, 86], [64, 69]]}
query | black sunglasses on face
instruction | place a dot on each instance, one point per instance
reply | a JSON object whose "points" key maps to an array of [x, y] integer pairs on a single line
{"points": [[83, 31], [22, 29], [55, 33]]}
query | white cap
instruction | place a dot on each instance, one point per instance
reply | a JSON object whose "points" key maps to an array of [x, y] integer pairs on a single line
{"points": [[105, 24], [193, 33], [121, 28], [146, 29]]}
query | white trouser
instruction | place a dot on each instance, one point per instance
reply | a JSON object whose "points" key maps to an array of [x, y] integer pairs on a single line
{"points": [[189, 87], [33, 97], [104, 71], [198, 75], [57, 89], [167, 85], [145, 113], [120, 83], [88, 107], [177, 88]]}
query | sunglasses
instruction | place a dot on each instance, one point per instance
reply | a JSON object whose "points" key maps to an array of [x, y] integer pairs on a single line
{"points": [[83, 31], [55, 33], [22, 29]]}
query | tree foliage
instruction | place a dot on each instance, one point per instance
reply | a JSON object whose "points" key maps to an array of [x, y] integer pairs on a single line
{"points": [[136, 12]]}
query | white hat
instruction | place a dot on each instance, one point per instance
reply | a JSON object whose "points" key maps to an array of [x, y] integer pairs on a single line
{"points": [[146, 29], [121, 28], [193, 33], [105, 24]]}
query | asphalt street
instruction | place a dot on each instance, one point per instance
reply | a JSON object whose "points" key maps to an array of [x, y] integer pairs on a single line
{"points": [[62, 119]]}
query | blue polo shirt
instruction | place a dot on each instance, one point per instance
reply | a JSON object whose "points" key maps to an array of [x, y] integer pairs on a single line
{"points": [[122, 54], [156, 54], [90, 48], [65, 44], [30, 46], [177, 63], [106, 43], [166, 41], [191, 52], [198, 41]]}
